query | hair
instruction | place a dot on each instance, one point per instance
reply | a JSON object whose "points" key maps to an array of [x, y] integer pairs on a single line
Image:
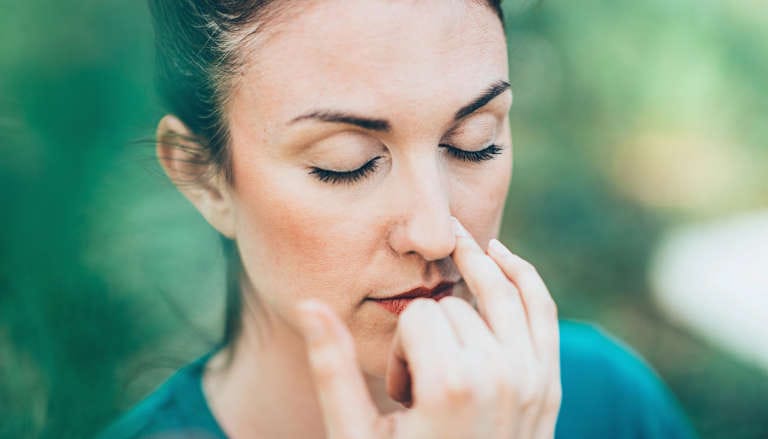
{"points": [[198, 47]]}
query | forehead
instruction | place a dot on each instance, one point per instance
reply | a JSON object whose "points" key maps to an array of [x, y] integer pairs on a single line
{"points": [[374, 57]]}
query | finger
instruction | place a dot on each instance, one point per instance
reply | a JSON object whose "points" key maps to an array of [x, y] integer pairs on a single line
{"points": [[398, 380], [540, 307], [499, 302], [347, 407], [470, 328], [483, 355], [426, 345], [542, 320]]}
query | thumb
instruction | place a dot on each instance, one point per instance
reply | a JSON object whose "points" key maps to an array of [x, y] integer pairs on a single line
{"points": [[347, 407]]}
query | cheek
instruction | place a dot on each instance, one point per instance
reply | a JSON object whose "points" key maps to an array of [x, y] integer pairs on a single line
{"points": [[293, 246], [478, 202]]}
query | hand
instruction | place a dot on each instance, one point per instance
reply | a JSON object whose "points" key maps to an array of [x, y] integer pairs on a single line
{"points": [[495, 374]]}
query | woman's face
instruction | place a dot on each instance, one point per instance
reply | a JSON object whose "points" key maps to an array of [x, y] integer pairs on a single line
{"points": [[395, 91]]}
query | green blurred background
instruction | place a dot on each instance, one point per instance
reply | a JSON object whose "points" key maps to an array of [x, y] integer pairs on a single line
{"points": [[630, 118]]}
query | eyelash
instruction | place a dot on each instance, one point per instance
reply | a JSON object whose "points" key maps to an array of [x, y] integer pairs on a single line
{"points": [[351, 177], [473, 156]]}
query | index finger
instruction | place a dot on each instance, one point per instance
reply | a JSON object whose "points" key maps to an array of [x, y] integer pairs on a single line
{"points": [[499, 301]]}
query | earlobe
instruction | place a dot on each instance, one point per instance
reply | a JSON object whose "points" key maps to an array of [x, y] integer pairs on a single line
{"points": [[185, 160]]}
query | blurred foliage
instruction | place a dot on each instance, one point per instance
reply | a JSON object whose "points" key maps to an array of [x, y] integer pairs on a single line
{"points": [[629, 117]]}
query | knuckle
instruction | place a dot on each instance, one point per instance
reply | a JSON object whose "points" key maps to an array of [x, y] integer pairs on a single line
{"points": [[503, 379], [326, 365], [506, 385], [452, 391], [458, 392], [531, 395], [554, 400], [528, 398]]}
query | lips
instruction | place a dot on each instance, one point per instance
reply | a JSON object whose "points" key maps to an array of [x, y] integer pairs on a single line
{"points": [[396, 304]]}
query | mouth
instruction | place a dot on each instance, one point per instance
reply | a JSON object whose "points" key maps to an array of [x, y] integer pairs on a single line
{"points": [[396, 304]]}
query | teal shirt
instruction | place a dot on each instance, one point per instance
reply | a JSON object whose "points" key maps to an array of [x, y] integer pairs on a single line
{"points": [[608, 392]]}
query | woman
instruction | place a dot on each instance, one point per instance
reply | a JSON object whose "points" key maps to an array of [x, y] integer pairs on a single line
{"points": [[355, 157]]}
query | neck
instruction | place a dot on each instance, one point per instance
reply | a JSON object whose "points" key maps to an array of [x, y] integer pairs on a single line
{"points": [[266, 389]]}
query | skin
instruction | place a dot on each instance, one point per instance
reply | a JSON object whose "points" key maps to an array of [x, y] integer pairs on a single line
{"points": [[314, 251]]}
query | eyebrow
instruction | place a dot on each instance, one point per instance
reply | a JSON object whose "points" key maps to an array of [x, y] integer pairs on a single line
{"points": [[491, 92], [341, 117], [383, 125]]}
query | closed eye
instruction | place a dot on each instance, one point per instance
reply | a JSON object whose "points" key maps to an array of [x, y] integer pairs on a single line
{"points": [[473, 156], [351, 177]]}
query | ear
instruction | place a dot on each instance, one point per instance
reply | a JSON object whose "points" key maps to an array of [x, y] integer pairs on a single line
{"points": [[185, 162]]}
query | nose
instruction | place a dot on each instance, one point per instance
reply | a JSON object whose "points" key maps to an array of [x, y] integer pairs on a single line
{"points": [[424, 210]]}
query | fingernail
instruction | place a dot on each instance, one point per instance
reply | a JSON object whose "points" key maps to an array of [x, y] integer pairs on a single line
{"points": [[458, 228], [311, 322], [495, 245]]}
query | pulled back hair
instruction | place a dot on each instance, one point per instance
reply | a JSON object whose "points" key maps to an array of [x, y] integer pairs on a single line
{"points": [[199, 50]]}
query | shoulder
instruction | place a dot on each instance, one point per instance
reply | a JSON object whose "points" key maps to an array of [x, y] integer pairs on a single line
{"points": [[177, 408], [609, 390]]}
